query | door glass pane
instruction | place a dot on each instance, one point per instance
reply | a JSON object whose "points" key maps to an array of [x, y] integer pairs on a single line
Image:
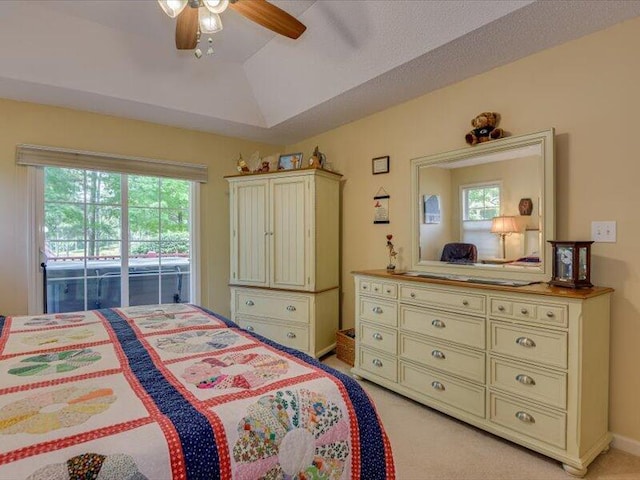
{"points": [[144, 288], [63, 185], [144, 191], [144, 224], [64, 221], [103, 188]]}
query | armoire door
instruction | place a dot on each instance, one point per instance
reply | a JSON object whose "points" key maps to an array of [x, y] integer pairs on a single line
{"points": [[250, 233], [290, 232]]}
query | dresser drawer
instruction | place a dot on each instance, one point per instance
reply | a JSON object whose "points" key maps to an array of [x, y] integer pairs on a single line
{"points": [[390, 290], [544, 386], [379, 364], [273, 305], [522, 418], [372, 335], [528, 343], [463, 329], [461, 301], [438, 386], [379, 311], [531, 311], [376, 288], [289, 335], [458, 361]]}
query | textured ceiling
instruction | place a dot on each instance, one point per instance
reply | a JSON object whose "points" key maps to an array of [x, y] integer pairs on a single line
{"points": [[356, 58]]}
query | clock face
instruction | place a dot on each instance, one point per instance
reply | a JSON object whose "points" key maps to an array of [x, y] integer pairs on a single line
{"points": [[564, 262]]}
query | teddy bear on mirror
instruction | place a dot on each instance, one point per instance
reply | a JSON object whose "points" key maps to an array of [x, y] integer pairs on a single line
{"points": [[484, 128]]}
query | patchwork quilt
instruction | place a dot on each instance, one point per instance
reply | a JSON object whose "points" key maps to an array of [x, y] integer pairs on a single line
{"points": [[175, 391]]}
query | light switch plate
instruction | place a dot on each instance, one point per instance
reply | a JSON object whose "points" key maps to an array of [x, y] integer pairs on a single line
{"points": [[603, 231]]}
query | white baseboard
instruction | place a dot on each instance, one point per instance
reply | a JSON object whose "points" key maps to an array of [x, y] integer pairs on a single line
{"points": [[626, 444]]}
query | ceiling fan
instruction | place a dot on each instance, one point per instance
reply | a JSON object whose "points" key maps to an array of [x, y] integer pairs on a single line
{"points": [[203, 17]]}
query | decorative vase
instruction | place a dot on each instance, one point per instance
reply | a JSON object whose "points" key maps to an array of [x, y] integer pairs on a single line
{"points": [[525, 207]]}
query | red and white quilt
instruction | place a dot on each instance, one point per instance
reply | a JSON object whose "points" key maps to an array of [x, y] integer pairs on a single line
{"points": [[175, 391]]}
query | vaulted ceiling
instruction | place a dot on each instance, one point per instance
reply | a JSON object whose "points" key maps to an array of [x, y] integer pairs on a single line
{"points": [[356, 57]]}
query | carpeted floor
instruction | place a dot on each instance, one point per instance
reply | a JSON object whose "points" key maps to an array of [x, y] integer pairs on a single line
{"points": [[430, 445]]}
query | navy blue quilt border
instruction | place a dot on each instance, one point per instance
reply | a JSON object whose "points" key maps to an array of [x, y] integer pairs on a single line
{"points": [[193, 428]]}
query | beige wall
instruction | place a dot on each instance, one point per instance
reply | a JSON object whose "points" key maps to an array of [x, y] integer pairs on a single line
{"points": [[588, 90], [59, 127]]}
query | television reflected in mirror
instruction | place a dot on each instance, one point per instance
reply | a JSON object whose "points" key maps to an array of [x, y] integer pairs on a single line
{"points": [[486, 210]]}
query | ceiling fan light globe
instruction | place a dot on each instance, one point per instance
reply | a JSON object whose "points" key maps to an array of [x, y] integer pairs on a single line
{"points": [[172, 7], [209, 22], [216, 6]]}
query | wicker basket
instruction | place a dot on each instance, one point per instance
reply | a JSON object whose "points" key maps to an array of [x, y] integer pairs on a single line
{"points": [[346, 346]]}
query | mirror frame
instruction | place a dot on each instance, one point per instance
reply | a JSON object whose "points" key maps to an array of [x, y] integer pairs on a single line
{"points": [[547, 206]]}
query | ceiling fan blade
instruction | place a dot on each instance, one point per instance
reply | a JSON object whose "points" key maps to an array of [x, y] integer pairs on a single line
{"points": [[187, 29], [269, 16]]}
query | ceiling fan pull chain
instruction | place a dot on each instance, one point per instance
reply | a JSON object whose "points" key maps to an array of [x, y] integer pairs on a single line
{"points": [[198, 52], [210, 49]]}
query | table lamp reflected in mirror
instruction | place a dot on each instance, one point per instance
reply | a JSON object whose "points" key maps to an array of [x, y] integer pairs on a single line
{"points": [[504, 225]]}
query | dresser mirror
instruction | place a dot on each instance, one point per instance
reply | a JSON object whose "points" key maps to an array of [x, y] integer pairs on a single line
{"points": [[485, 211]]}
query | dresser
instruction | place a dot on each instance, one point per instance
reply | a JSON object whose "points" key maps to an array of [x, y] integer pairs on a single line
{"points": [[530, 363], [285, 256]]}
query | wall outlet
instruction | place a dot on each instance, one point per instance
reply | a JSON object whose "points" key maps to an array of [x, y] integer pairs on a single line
{"points": [[603, 232]]}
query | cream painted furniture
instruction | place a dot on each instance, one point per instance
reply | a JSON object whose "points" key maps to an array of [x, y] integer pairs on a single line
{"points": [[530, 364], [284, 256]]}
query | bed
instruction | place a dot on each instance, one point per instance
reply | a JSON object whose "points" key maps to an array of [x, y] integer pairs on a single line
{"points": [[175, 391]]}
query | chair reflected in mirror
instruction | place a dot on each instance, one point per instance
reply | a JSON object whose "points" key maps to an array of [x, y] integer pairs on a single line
{"points": [[459, 253]]}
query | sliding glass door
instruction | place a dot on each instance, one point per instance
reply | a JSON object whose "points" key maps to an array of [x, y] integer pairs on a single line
{"points": [[115, 240]]}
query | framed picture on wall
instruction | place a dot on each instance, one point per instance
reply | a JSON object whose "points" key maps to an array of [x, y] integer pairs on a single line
{"points": [[380, 165], [431, 209]]}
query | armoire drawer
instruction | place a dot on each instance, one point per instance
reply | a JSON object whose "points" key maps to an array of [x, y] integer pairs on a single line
{"points": [[379, 311], [544, 386], [457, 361], [378, 363], [438, 386], [290, 335], [273, 305], [527, 310], [462, 301], [463, 329], [524, 419], [528, 343], [372, 335]]}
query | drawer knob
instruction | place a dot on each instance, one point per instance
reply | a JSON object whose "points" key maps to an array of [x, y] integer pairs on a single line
{"points": [[249, 303], [364, 287], [524, 311], [525, 379], [375, 289], [525, 417], [438, 323], [291, 335], [377, 336], [250, 328], [413, 295], [291, 308], [465, 303], [501, 308], [438, 354], [437, 385], [388, 290], [377, 310], [377, 363], [525, 342], [550, 314]]}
